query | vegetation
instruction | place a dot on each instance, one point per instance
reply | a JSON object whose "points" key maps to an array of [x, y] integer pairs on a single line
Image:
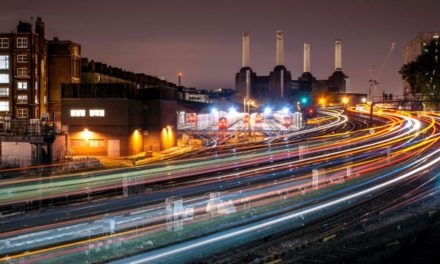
{"points": [[423, 74]]}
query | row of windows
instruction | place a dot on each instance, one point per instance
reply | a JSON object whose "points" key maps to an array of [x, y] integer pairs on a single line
{"points": [[4, 60], [21, 112], [82, 112], [21, 85], [21, 98], [94, 143], [21, 72], [22, 42]]}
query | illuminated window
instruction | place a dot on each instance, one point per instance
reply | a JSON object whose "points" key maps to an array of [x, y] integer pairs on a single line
{"points": [[22, 42], [22, 85], [96, 143], [4, 106], [4, 91], [4, 43], [4, 78], [22, 113], [77, 112], [23, 71], [22, 99], [22, 58], [97, 112], [4, 62]]}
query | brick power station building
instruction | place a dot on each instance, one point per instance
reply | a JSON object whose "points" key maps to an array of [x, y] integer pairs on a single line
{"points": [[280, 86]]}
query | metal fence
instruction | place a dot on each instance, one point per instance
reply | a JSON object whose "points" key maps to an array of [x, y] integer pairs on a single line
{"points": [[26, 127]]}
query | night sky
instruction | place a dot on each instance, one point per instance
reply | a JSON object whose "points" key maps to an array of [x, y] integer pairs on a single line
{"points": [[202, 38]]}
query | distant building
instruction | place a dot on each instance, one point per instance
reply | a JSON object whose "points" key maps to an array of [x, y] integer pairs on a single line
{"points": [[222, 94], [410, 53], [279, 86], [276, 86], [193, 95]]}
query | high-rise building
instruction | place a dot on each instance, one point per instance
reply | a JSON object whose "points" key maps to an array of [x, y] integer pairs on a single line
{"points": [[413, 49], [23, 72]]}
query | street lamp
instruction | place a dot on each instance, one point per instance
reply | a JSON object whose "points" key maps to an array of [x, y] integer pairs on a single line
{"points": [[179, 78], [247, 101], [345, 100], [267, 110], [321, 101]]}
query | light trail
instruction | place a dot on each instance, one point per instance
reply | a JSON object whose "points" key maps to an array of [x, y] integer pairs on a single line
{"points": [[400, 138], [281, 219]]}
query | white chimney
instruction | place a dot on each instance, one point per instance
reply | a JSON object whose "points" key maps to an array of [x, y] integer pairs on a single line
{"points": [[245, 59], [280, 48], [306, 57], [338, 55]]}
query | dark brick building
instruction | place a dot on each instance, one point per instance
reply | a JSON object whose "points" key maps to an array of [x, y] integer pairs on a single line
{"points": [[23, 72], [118, 113], [64, 66]]}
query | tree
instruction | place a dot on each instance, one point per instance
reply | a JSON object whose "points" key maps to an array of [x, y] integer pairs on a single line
{"points": [[423, 74]]}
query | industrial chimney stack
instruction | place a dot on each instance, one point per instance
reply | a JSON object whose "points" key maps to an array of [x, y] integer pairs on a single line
{"points": [[280, 48], [338, 55], [306, 57], [245, 59]]}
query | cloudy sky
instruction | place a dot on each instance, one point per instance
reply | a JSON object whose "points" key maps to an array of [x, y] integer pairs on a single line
{"points": [[202, 38]]}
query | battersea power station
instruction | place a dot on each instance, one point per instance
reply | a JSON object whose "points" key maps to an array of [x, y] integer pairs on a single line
{"points": [[279, 86]]}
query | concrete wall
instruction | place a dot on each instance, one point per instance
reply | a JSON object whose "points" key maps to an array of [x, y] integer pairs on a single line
{"points": [[16, 154], [59, 148]]}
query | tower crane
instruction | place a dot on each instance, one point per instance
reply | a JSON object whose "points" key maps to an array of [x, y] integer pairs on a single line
{"points": [[375, 73]]}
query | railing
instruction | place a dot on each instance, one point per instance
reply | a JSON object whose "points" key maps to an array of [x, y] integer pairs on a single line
{"points": [[26, 127]]}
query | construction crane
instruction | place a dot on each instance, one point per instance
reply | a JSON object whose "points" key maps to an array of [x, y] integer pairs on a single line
{"points": [[375, 73]]}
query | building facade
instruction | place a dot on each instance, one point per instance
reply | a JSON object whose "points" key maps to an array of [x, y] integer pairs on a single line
{"points": [[64, 66], [101, 119], [113, 112], [117, 119], [23, 72]]}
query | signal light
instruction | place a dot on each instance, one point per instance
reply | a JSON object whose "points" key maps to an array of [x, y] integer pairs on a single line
{"points": [[304, 100]]}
